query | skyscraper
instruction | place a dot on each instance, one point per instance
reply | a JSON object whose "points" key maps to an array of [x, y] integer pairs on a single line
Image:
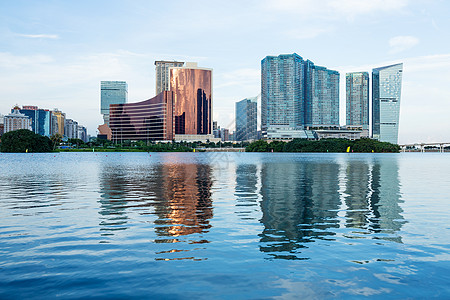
{"points": [[192, 104], [386, 93], [60, 121], [112, 92], [296, 94], [282, 93], [357, 99], [162, 74], [246, 120], [321, 96], [71, 129]]}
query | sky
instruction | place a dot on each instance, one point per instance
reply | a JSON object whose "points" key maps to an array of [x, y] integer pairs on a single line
{"points": [[54, 54]]}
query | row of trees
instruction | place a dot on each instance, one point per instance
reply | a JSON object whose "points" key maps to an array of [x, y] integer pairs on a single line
{"points": [[325, 145], [24, 140], [27, 141]]}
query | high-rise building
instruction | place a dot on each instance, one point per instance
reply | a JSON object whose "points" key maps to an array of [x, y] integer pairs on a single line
{"points": [[282, 92], [246, 120], [41, 119], [357, 99], [182, 113], [60, 121], [386, 93], [112, 92], [16, 120], [224, 134], [192, 102], [82, 134], [162, 74], [296, 94], [71, 129], [321, 96]]}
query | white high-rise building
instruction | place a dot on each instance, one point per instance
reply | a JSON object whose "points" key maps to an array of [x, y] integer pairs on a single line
{"points": [[162, 74]]}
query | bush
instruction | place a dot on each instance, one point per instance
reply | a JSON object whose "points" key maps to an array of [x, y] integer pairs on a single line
{"points": [[23, 140], [325, 145]]}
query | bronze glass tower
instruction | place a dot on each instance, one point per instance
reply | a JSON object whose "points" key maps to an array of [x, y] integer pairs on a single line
{"points": [[192, 88], [146, 120]]}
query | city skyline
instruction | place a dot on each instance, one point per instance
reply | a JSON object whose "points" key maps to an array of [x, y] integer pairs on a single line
{"points": [[51, 61]]}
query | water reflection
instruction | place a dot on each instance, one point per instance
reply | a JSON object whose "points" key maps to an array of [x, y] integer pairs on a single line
{"points": [[301, 201], [114, 190], [246, 191], [176, 198], [184, 203]]}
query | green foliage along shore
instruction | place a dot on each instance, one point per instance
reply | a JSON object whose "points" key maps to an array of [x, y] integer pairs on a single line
{"points": [[23, 140], [364, 145]]}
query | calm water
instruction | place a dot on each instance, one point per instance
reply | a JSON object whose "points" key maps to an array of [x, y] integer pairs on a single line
{"points": [[224, 225]]}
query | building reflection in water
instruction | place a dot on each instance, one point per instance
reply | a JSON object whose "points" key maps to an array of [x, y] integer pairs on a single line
{"points": [[184, 203], [300, 202], [177, 198], [114, 190], [246, 190], [299, 205]]}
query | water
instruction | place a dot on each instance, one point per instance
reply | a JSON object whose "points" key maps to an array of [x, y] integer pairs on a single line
{"points": [[224, 225]]}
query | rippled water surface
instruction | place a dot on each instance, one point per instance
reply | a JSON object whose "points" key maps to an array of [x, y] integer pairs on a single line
{"points": [[224, 225]]}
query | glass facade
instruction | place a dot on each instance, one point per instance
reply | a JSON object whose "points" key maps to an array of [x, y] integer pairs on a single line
{"points": [[147, 120], [246, 120], [282, 94], [112, 92], [192, 92], [41, 119], [162, 74], [322, 96], [386, 94], [296, 94], [357, 99]]}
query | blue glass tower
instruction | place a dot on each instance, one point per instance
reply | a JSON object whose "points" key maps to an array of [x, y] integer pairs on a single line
{"points": [[357, 99], [282, 92], [246, 120], [41, 120], [386, 93], [112, 92], [296, 94], [321, 96]]}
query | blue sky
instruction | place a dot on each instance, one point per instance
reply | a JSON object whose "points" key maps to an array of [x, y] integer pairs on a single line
{"points": [[55, 53]]}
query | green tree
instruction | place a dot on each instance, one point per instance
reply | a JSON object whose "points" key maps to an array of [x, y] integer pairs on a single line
{"points": [[24, 140]]}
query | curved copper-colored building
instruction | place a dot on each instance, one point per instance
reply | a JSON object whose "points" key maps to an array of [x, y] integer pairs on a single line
{"points": [[184, 110], [192, 88], [151, 119]]}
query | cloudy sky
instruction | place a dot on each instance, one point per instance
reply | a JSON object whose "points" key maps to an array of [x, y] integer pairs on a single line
{"points": [[55, 53]]}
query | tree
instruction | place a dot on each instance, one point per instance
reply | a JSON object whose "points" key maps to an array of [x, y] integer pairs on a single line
{"points": [[24, 140], [56, 140]]}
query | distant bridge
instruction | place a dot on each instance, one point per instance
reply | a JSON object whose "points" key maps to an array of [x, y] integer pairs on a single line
{"points": [[421, 146]]}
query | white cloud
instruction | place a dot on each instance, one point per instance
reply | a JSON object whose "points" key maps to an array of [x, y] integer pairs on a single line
{"points": [[402, 43], [39, 36]]}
